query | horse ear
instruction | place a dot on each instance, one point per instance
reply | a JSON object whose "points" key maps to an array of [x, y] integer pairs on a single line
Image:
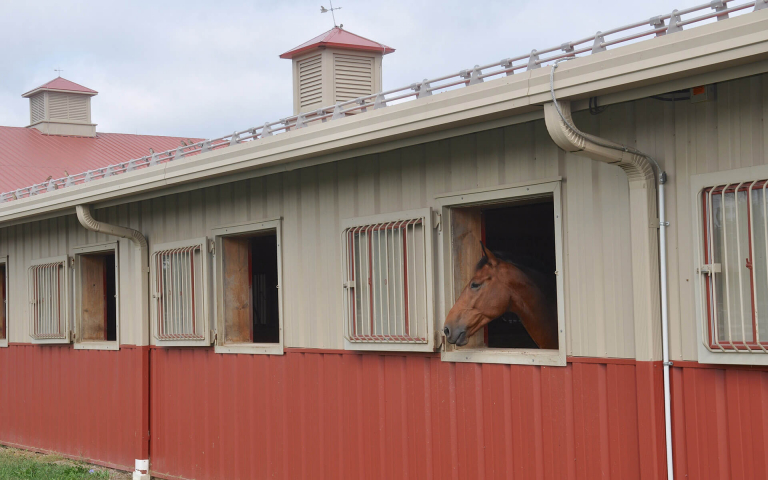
{"points": [[492, 260]]}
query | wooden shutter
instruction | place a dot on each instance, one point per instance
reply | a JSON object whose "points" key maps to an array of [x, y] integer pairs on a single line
{"points": [[93, 320], [466, 236], [353, 76], [238, 301], [310, 81]]}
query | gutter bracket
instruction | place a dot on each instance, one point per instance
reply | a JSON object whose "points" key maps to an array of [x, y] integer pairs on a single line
{"points": [[673, 19]]}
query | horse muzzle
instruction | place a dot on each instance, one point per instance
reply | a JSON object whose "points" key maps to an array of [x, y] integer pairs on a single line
{"points": [[457, 335]]}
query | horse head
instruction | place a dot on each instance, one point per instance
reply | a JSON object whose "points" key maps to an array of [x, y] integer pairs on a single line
{"points": [[498, 287]]}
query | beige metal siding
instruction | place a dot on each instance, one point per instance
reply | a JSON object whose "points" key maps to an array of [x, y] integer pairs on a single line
{"points": [[310, 81], [353, 76], [686, 138], [313, 201]]}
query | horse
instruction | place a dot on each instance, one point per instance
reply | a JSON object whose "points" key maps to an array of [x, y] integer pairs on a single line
{"points": [[498, 287]]}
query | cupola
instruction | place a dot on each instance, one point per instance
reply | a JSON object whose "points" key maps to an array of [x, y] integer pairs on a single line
{"points": [[61, 107], [335, 67]]}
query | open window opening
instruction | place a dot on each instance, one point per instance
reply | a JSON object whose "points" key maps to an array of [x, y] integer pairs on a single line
{"points": [[251, 312], [96, 307], [524, 234], [504, 290], [248, 297]]}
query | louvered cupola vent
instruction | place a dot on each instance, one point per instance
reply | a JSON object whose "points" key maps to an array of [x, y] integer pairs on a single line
{"points": [[352, 76], [310, 81], [334, 67], [61, 107]]}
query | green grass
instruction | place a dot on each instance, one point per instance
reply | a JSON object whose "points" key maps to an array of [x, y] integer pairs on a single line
{"points": [[17, 465]]}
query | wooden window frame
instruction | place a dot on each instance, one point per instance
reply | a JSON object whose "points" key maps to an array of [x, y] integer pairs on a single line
{"points": [[6, 307], [239, 229], [64, 297], [699, 184], [78, 252], [207, 337], [550, 187], [426, 215]]}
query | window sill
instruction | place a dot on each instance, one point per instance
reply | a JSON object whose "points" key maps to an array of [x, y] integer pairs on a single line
{"points": [[251, 349], [509, 356], [97, 346], [387, 347]]}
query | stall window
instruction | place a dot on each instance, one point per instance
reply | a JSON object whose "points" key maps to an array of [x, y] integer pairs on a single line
{"points": [[734, 242], [48, 293], [96, 297], [521, 225], [4, 308], [387, 282], [179, 280], [248, 283]]}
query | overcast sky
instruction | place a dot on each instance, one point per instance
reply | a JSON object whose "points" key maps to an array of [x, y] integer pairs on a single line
{"points": [[205, 69]]}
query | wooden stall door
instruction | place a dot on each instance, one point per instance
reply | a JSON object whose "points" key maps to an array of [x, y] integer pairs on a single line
{"points": [[93, 299], [238, 301]]}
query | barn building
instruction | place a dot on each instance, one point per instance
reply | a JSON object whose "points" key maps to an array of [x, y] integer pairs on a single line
{"points": [[271, 303]]}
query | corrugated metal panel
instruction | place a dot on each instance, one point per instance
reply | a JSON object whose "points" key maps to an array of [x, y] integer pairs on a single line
{"points": [[353, 76], [84, 403], [313, 201], [29, 157], [332, 415], [720, 422]]}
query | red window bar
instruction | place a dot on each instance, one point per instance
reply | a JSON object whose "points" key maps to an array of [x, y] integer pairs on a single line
{"points": [[735, 246], [386, 282], [45, 300], [176, 281]]}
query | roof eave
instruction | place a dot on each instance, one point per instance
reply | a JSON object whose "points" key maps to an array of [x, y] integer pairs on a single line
{"points": [[342, 46], [45, 89]]}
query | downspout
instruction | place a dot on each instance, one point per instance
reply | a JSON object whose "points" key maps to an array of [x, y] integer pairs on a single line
{"points": [[640, 172], [141, 269]]}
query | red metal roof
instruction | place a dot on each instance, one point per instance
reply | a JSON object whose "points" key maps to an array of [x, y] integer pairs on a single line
{"points": [[61, 84], [28, 157], [339, 38]]}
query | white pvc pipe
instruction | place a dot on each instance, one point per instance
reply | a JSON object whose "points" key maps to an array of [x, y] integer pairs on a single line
{"points": [[665, 324]]}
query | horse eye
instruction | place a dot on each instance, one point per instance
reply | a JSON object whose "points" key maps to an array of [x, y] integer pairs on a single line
{"points": [[474, 286]]}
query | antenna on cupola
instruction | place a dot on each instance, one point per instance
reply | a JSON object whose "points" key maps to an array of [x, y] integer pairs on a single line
{"points": [[58, 70], [326, 10]]}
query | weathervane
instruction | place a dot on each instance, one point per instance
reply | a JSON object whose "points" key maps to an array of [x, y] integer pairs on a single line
{"points": [[326, 10], [58, 70]]}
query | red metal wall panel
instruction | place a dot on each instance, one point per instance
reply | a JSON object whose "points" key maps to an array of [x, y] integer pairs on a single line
{"points": [[80, 403], [720, 417], [347, 415]]}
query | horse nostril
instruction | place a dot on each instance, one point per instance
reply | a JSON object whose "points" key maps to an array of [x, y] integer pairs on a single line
{"points": [[447, 331]]}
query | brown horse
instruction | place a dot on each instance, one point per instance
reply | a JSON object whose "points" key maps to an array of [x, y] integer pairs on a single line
{"points": [[499, 287]]}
